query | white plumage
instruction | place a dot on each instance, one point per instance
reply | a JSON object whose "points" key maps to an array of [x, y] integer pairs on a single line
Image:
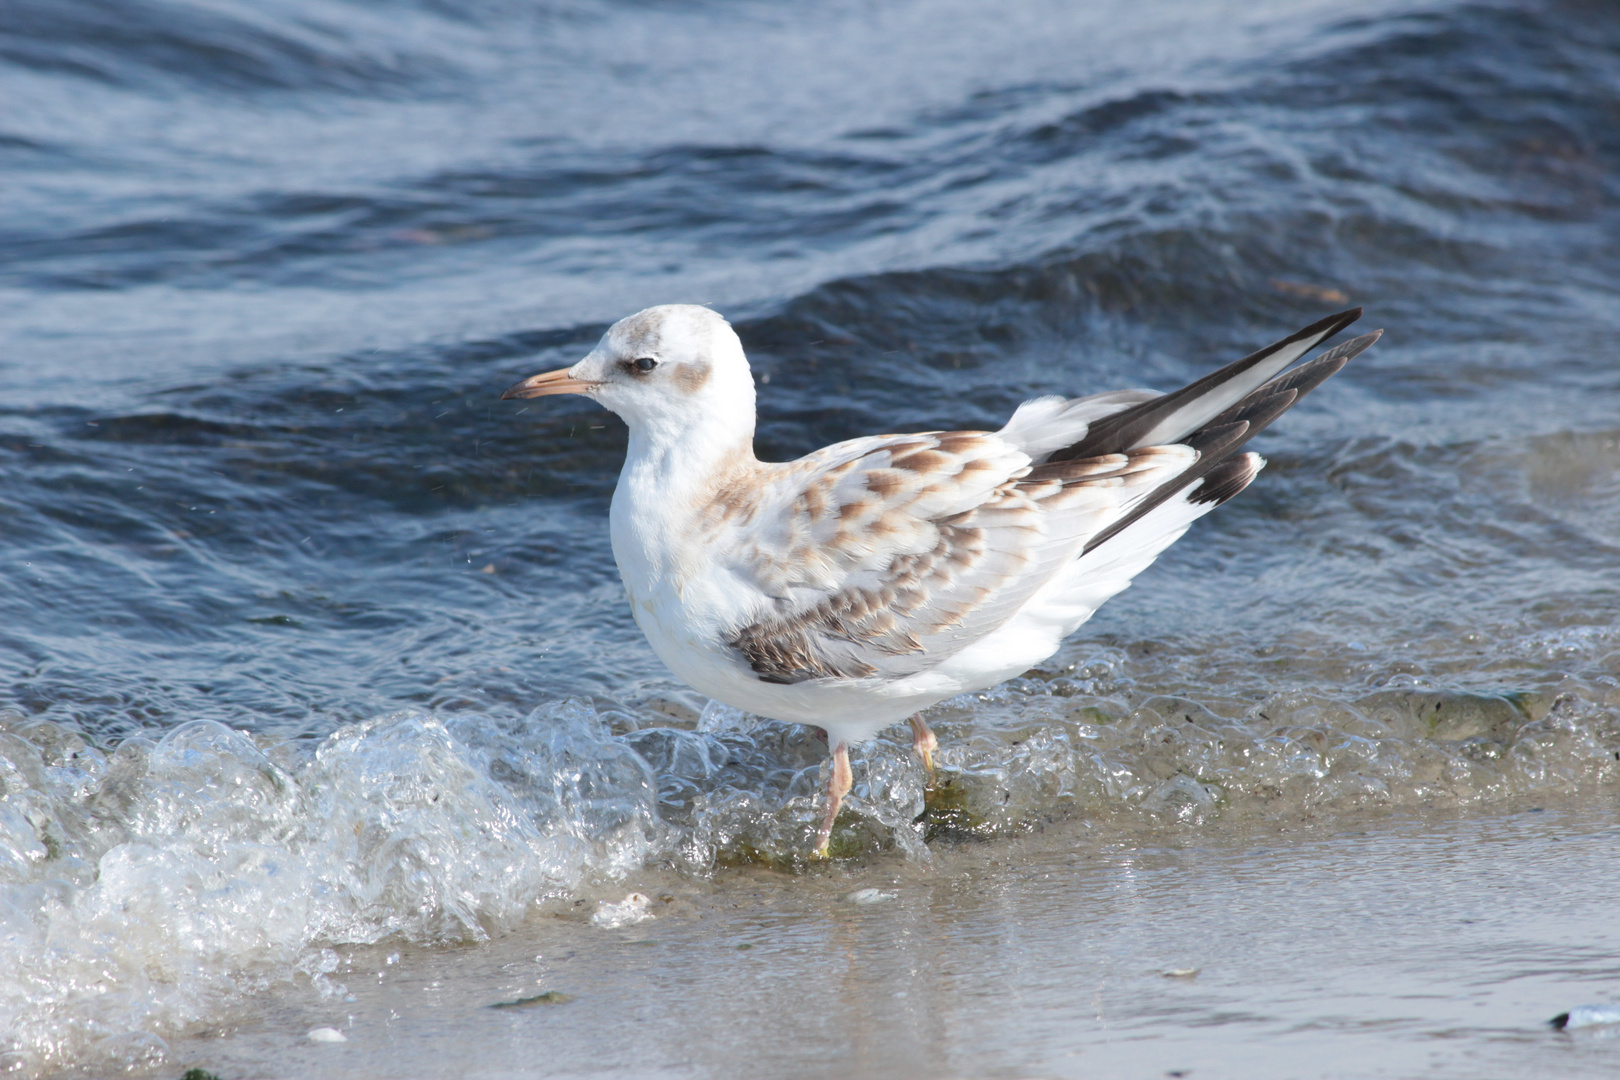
{"points": [[860, 584]]}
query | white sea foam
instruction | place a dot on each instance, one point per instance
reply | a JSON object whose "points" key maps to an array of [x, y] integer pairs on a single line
{"points": [[147, 890], [627, 912]]}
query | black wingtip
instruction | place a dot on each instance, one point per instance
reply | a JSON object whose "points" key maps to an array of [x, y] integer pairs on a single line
{"points": [[1216, 439], [1220, 473], [1349, 350], [1300, 380], [1121, 430], [1336, 322], [1263, 410], [1326, 328]]}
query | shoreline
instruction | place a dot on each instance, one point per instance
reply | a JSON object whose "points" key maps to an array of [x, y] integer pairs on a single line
{"points": [[1390, 944]]}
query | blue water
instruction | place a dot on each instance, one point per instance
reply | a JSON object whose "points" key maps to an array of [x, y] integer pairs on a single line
{"points": [[264, 269]]}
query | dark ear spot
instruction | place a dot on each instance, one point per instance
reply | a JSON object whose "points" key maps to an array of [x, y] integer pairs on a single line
{"points": [[690, 377]]}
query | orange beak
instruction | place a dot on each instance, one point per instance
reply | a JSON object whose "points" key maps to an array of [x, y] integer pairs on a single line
{"points": [[549, 382]]}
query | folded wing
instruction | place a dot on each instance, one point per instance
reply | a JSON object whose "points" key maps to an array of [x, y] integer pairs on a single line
{"points": [[882, 557]]}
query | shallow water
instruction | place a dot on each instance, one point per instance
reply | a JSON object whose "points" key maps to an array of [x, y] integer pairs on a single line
{"points": [[309, 643], [1385, 946]]}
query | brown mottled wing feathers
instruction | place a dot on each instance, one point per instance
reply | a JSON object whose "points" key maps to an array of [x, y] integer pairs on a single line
{"points": [[897, 551], [881, 557]]}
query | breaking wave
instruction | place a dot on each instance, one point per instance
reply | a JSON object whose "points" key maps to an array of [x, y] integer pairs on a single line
{"points": [[152, 886]]}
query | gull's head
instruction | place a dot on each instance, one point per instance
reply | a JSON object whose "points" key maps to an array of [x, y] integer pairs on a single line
{"points": [[666, 370]]}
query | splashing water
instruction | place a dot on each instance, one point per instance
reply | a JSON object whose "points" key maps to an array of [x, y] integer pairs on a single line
{"points": [[152, 886]]}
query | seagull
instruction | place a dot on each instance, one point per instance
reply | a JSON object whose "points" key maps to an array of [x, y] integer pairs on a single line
{"points": [[859, 585]]}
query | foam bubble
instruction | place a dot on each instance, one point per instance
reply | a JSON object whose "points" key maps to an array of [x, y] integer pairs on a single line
{"points": [[149, 888], [627, 912]]}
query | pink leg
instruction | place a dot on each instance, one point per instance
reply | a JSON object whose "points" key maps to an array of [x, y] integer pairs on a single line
{"points": [[838, 785], [924, 743]]}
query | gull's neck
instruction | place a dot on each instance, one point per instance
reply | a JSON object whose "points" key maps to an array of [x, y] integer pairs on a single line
{"points": [[666, 495], [673, 462], [664, 503]]}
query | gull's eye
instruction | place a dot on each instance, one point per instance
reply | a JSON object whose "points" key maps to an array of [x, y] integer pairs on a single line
{"points": [[645, 363]]}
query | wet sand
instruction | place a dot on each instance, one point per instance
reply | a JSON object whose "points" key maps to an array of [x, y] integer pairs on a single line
{"points": [[1390, 945]]}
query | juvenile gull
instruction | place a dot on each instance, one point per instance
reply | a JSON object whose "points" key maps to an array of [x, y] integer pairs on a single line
{"points": [[860, 584]]}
